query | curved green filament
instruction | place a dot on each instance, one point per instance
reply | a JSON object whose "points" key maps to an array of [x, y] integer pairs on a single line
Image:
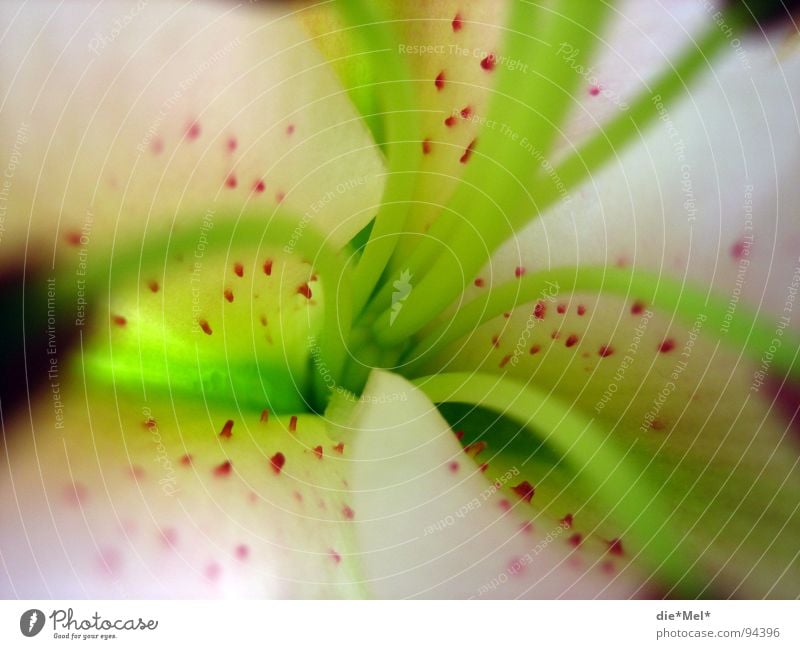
{"points": [[604, 468], [402, 145], [743, 328], [521, 109], [487, 229], [624, 127]]}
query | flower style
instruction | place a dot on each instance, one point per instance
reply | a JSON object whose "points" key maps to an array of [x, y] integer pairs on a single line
{"points": [[399, 299]]}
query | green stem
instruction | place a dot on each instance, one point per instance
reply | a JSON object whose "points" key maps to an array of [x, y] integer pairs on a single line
{"points": [[744, 328], [604, 468]]}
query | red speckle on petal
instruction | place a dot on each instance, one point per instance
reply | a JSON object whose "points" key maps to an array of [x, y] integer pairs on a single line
{"points": [[496, 341], [238, 269], [293, 424], [555, 335], [567, 521], [615, 547], [73, 238], [516, 566], [504, 361], [504, 504], [212, 571], [535, 349], [318, 451], [539, 310], [76, 494], [242, 552], [265, 415], [290, 129], [348, 513], [605, 350], [193, 131], [439, 81], [169, 537], [526, 527], [333, 554], [581, 309], [479, 282], [524, 490], [426, 146], [519, 271], [277, 461], [227, 429], [279, 197], [304, 290], [740, 249], [231, 144], [572, 339], [489, 63], [666, 346], [110, 561], [137, 472], [228, 293], [153, 285], [459, 434], [223, 470], [119, 320], [561, 308], [450, 121], [205, 327], [157, 146], [594, 90], [657, 424], [637, 307], [259, 186], [464, 159], [186, 460], [339, 448], [268, 267], [475, 449], [453, 466], [575, 540], [458, 23], [466, 112]]}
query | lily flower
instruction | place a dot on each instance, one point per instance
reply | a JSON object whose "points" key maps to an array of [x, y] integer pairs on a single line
{"points": [[445, 299]]}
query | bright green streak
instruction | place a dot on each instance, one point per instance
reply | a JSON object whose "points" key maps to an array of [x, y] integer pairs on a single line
{"points": [[401, 126]]}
